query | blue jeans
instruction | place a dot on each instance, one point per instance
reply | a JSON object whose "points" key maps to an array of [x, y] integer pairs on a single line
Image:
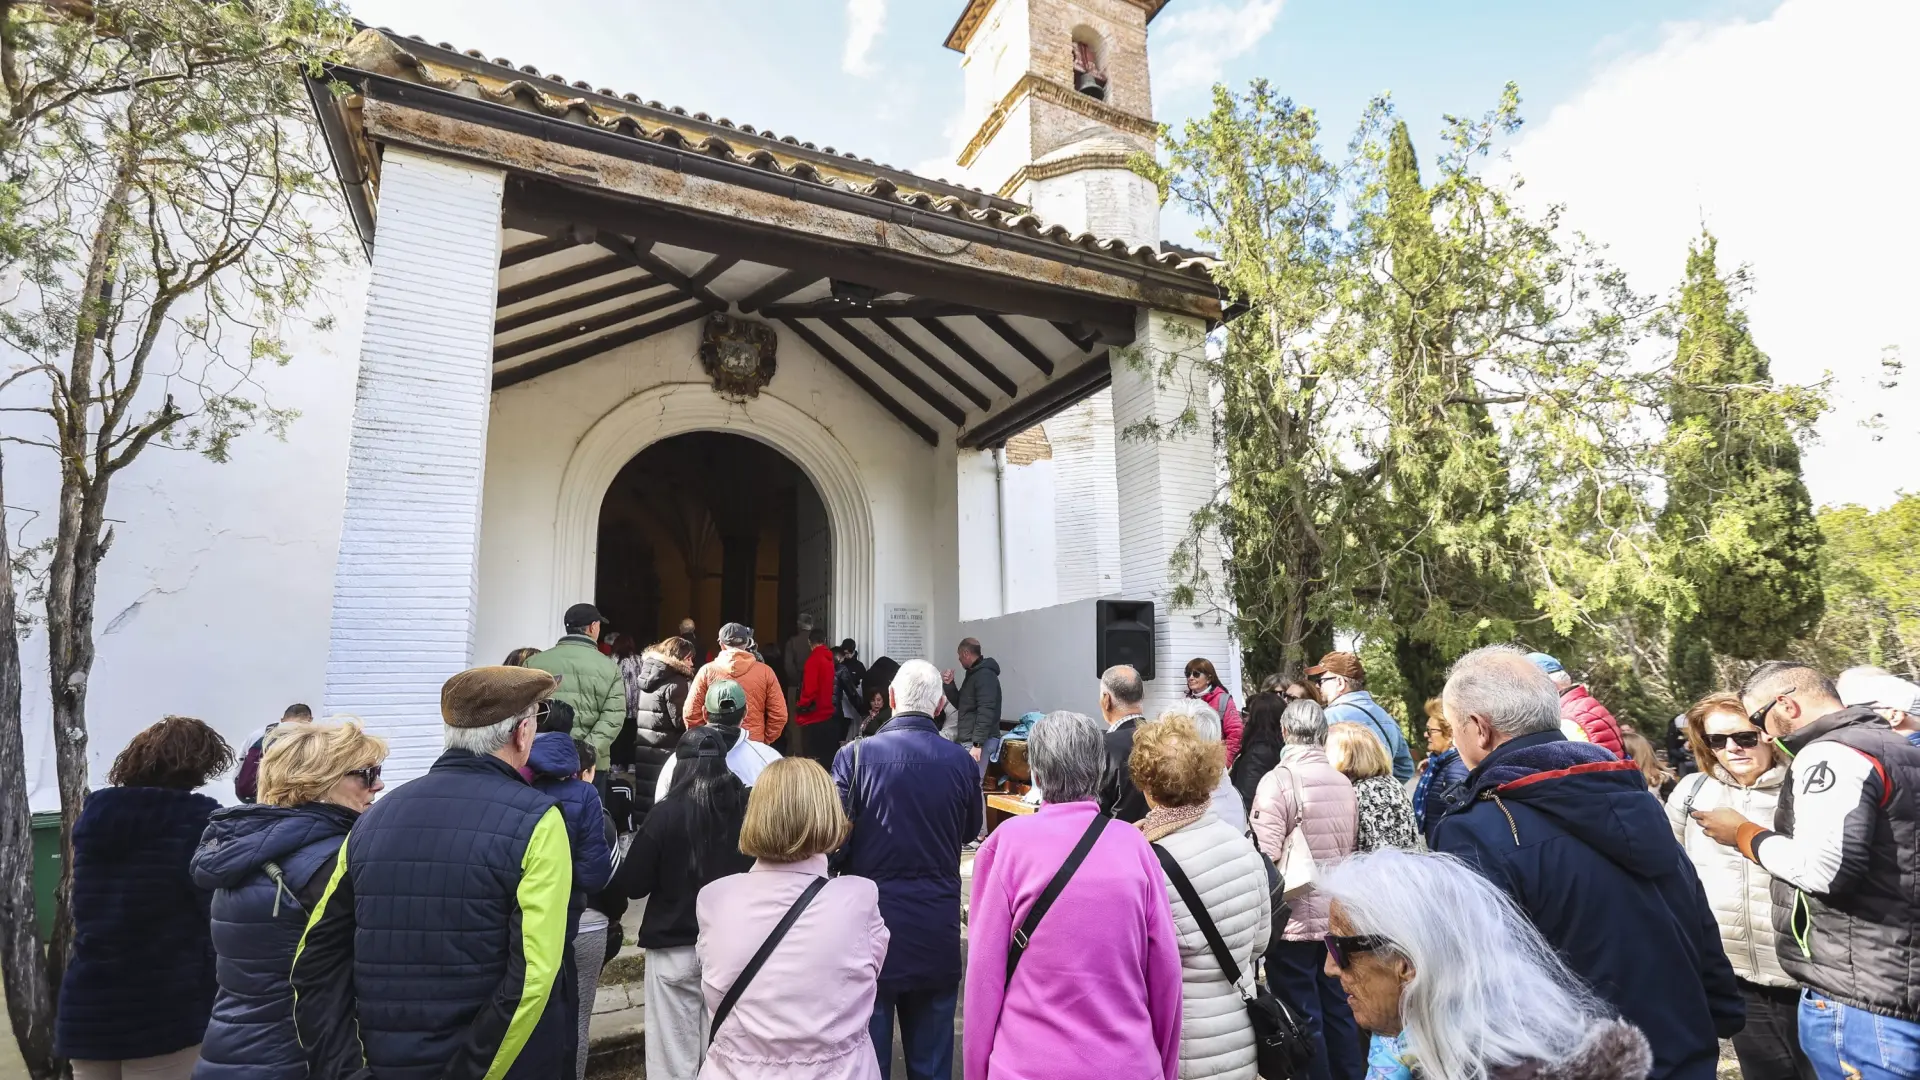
{"points": [[1845, 1043], [1296, 974], [926, 1031]]}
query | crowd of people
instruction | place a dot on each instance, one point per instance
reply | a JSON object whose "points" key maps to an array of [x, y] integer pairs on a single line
{"points": [[1203, 892]]}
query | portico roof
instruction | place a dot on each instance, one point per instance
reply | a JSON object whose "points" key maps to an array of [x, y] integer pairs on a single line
{"points": [[625, 218]]}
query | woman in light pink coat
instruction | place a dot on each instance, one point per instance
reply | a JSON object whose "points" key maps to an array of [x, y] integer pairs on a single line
{"points": [[1305, 792], [806, 1013], [1096, 995]]}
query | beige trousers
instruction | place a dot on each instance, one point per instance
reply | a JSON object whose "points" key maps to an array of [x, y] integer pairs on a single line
{"points": [[175, 1066]]}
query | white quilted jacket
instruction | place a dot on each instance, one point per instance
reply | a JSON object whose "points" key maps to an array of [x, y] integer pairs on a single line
{"points": [[1737, 890], [1216, 1039]]}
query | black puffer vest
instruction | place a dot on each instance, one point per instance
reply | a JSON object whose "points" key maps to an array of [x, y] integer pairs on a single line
{"points": [[1861, 947]]}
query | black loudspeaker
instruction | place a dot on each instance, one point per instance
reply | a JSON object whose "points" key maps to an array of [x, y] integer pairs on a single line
{"points": [[1124, 630]]}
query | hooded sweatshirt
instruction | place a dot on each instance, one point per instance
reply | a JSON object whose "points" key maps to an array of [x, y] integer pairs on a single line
{"points": [[554, 762], [258, 917], [766, 714], [140, 981], [1572, 834]]}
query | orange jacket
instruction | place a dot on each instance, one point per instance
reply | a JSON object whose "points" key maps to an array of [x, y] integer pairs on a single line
{"points": [[766, 706]]}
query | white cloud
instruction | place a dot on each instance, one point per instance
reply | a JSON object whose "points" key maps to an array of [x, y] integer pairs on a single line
{"points": [[865, 20], [1785, 137], [1192, 43]]}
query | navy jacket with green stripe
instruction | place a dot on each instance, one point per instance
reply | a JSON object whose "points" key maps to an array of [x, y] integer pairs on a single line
{"points": [[437, 948]]}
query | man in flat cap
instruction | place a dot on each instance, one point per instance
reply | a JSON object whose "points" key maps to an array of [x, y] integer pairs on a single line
{"points": [[437, 947]]}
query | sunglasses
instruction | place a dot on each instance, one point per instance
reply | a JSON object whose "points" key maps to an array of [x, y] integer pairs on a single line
{"points": [[1343, 948], [1745, 740], [1758, 718], [368, 776]]}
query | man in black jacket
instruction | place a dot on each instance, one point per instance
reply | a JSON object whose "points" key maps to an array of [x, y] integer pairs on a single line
{"points": [[978, 698], [1844, 852], [1121, 692]]}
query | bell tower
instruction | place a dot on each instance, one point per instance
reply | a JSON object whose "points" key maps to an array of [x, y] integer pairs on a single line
{"points": [[1057, 103]]}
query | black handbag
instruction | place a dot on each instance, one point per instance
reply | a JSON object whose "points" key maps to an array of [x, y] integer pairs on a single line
{"points": [[1281, 1046]]}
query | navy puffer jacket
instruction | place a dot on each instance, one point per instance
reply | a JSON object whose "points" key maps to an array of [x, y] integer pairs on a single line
{"points": [[257, 922], [140, 982], [554, 761]]}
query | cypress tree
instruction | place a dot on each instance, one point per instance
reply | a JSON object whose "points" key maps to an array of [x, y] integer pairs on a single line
{"points": [[1738, 517]]}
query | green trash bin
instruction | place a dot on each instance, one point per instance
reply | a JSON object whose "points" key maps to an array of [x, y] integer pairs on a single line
{"points": [[46, 869]]}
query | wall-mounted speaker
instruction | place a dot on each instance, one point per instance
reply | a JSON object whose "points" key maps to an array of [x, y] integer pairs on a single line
{"points": [[1124, 630]]}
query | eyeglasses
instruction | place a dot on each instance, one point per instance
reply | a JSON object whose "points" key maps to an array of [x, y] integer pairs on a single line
{"points": [[1758, 718], [1745, 740], [1196, 674], [1343, 948], [368, 776]]}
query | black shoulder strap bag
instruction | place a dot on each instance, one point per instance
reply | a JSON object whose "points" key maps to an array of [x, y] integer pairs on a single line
{"points": [[1023, 936], [1280, 1044], [760, 958]]}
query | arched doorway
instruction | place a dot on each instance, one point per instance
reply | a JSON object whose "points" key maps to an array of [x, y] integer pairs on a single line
{"points": [[716, 526]]}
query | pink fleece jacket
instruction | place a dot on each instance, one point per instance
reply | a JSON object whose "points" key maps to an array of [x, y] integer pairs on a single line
{"points": [[1097, 994]]}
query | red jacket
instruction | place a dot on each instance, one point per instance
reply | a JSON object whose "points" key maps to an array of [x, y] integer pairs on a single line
{"points": [[816, 688], [1581, 707]]}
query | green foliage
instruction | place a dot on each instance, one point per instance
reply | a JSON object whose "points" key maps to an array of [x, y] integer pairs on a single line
{"points": [[1436, 430], [1737, 514], [1870, 566]]}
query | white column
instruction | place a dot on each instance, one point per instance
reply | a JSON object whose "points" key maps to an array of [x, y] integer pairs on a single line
{"points": [[1162, 481], [406, 584], [977, 498]]}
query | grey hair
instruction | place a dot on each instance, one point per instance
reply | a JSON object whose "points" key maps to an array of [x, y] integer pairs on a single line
{"points": [[1066, 752], [1487, 991], [1122, 683], [1304, 724], [1501, 684], [1200, 714], [916, 688], [485, 741]]}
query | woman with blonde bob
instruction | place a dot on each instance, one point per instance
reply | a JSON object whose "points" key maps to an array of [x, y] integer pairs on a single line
{"points": [[267, 865], [1386, 813], [806, 1012], [1178, 770], [1476, 995]]}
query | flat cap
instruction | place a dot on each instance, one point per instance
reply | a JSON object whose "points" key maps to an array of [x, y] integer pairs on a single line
{"points": [[482, 696]]}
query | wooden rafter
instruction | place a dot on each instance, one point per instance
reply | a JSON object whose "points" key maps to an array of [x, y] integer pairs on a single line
{"points": [[574, 328], [564, 278], [593, 347], [890, 364], [534, 249], [642, 256], [1019, 342], [1084, 338], [861, 379], [569, 304], [933, 363], [914, 308], [1075, 386], [788, 283], [714, 267], [959, 347]]}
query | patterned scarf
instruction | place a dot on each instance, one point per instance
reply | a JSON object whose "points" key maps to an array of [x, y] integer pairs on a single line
{"points": [[1169, 819]]}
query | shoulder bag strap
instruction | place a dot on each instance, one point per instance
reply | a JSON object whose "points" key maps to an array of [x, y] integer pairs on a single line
{"points": [[1024, 934], [1198, 910], [760, 958]]}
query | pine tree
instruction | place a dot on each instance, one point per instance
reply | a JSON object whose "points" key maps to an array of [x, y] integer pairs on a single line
{"points": [[1738, 517]]}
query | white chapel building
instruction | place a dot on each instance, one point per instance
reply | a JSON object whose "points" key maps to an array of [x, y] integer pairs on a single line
{"points": [[607, 349]]}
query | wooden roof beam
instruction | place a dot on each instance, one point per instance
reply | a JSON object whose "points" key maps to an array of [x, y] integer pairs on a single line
{"points": [[885, 400], [593, 347], [788, 283], [569, 304], [959, 347], [642, 256], [535, 249], [892, 366], [916, 307], [717, 265], [572, 328], [1019, 342], [564, 278], [932, 362]]}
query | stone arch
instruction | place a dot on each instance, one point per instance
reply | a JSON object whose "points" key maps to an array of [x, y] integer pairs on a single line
{"points": [[679, 408]]}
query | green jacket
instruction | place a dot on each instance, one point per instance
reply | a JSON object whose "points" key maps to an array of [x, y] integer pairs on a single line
{"points": [[590, 683]]}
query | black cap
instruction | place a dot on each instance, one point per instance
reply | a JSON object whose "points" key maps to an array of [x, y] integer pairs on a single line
{"points": [[582, 615]]}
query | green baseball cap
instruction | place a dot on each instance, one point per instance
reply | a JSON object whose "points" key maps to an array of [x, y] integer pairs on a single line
{"points": [[726, 701]]}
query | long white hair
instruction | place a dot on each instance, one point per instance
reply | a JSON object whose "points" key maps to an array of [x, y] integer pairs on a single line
{"points": [[1487, 990]]}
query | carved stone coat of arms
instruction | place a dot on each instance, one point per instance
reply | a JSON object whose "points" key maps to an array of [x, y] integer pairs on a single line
{"points": [[738, 355]]}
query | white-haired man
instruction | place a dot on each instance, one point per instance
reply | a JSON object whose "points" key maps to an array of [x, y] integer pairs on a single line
{"points": [[436, 947], [1842, 848], [1574, 836], [914, 799]]}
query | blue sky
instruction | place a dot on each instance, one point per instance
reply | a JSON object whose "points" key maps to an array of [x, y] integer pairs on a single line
{"points": [[1645, 119]]}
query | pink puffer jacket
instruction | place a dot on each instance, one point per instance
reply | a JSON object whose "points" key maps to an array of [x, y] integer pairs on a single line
{"points": [[1330, 819], [1579, 705]]}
